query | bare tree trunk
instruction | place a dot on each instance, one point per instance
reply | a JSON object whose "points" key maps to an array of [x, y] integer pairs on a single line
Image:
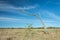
{"points": [[39, 17]]}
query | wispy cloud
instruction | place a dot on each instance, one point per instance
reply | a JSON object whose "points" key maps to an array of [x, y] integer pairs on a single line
{"points": [[7, 18], [1, 1], [57, 2], [19, 10], [27, 21], [52, 15], [22, 19], [8, 6]]}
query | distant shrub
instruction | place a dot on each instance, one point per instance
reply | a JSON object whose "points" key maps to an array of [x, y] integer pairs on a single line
{"points": [[52, 27]]}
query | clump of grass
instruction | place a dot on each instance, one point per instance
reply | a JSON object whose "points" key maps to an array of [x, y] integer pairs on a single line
{"points": [[9, 38]]}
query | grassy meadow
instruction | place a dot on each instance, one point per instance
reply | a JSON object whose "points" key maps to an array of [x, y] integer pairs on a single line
{"points": [[29, 34]]}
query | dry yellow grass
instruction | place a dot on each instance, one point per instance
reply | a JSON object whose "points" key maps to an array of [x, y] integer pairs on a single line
{"points": [[29, 34]]}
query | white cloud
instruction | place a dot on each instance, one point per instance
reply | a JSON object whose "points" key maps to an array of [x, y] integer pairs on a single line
{"points": [[52, 15], [11, 8], [18, 10], [22, 20], [26, 21], [7, 19], [14, 19], [8, 6]]}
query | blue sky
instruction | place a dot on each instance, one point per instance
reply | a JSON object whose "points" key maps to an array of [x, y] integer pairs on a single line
{"points": [[16, 13]]}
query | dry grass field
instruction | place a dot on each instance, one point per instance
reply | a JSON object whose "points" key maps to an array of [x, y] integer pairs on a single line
{"points": [[29, 34]]}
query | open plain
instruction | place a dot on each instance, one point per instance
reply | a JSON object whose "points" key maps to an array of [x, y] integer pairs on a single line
{"points": [[29, 34]]}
